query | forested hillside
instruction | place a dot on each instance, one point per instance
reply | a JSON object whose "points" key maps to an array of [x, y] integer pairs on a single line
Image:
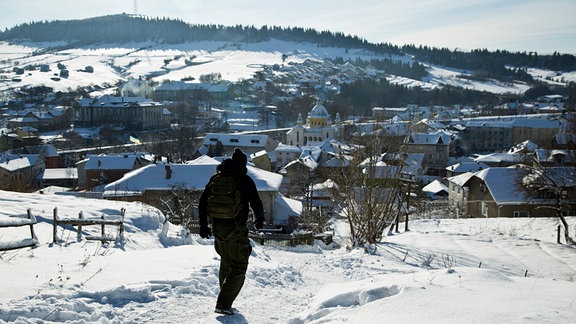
{"points": [[409, 69], [124, 28]]}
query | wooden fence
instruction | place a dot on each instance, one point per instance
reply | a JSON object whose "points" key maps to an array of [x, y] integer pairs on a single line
{"points": [[278, 239], [274, 237], [17, 222], [81, 221]]}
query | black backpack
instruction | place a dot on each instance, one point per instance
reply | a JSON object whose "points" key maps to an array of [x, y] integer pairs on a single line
{"points": [[225, 201]]}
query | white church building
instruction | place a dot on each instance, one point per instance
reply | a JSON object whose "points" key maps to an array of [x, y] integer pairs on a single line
{"points": [[318, 127]]}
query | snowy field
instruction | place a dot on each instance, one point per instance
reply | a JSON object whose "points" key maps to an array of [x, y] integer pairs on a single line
{"points": [[441, 271], [114, 63]]}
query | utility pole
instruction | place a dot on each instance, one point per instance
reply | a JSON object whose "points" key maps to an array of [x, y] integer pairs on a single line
{"points": [[409, 180], [407, 206]]}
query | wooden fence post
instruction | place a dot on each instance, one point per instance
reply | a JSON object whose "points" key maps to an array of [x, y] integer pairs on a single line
{"points": [[31, 225], [102, 231], [121, 229], [558, 235], [55, 224], [79, 234]]}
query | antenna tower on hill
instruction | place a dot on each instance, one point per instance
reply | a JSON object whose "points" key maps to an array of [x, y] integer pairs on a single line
{"points": [[135, 7]]}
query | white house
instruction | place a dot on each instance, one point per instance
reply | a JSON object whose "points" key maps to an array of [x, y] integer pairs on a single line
{"points": [[286, 154], [193, 176], [17, 171], [249, 143]]}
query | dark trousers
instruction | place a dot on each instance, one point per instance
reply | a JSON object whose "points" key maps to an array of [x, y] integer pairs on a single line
{"points": [[232, 244]]}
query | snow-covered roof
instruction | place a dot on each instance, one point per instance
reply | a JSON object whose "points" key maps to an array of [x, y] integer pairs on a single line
{"points": [[153, 177], [57, 111], [285, 207], [12, 162], [24, 119], [241, 140], [112, 162], [258, 154], [192, 176], [526, 146], [504, 184], [319, 111], [410, 164], [432, 123], [326, 185], [59, 173], [310, 162], [340, 160], [509, 122], [52, 190], [435, 187], [500, 157], [113, 101], [461, 179], [440, 137], [288, 148], [312, 152], [204, 160], [490, 123], [467, 166]]}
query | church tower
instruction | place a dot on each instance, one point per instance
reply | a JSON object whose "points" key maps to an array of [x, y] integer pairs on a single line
{"points": [[317, 129]]}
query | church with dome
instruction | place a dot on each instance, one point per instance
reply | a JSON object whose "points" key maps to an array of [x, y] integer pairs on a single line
{"points": [[318, 128]]}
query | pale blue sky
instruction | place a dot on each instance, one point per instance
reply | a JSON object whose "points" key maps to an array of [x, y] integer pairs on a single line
{"points": [[544, 26]]}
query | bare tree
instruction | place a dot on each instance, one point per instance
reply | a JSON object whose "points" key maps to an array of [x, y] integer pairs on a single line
{"points": [[370, 196], [178, 206], [556, 183], [552, 183]]}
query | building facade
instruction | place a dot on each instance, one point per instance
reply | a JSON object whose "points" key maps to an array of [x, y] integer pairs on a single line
{"points": [[318, 128], [131, 112]]}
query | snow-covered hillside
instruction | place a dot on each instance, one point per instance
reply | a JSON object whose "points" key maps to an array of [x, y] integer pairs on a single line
{"points": [[114, 63], [441, 271]]}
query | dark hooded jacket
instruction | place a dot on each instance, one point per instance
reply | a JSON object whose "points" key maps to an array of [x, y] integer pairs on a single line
{"points": [[249, 194]]}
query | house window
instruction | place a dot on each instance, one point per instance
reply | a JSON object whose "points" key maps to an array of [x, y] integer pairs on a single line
{"points": [[546, 195], [484, 209], [483, 187], [518, 213]]}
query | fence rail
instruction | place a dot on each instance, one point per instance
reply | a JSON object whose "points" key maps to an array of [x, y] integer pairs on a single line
{"points": [[277, 239], [18, 222], [81, 221]]}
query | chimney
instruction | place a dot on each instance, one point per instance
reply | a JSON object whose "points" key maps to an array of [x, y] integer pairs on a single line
{"points": [[168, 171]]}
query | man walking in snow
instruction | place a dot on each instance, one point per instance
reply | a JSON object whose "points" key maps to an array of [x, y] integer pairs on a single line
{"points": [[225, 204]]}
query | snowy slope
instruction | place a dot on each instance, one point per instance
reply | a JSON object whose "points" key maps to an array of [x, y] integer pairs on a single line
{"points": [[441, 271], [113, 63]]}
